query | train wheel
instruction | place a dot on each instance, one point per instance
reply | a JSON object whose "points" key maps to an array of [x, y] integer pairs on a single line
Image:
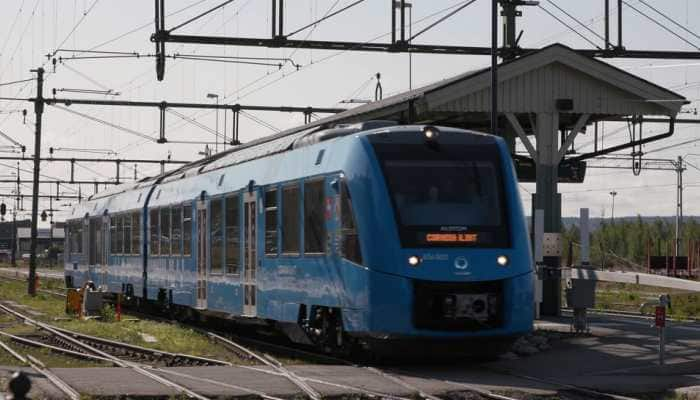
{"points": [[325, 327]]}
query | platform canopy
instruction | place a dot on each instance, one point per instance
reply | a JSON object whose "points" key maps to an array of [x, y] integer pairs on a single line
{"points": [[532, 83]]}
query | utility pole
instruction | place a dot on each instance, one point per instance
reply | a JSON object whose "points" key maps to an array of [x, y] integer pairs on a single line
{"points": [[39, 111], [14, 222], [612, 214], [679, 204], [494, 67]]}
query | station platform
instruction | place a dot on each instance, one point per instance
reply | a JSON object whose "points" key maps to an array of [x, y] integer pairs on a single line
{"points": [[618, 356]]}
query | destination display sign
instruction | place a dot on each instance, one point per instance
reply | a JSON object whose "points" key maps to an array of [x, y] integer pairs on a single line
{"points": [[443, 237]]}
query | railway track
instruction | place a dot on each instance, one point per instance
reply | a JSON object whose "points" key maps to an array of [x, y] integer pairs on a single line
{"points": [[150, 363]]}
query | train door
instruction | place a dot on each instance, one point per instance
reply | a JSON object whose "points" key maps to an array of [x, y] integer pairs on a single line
{"points": [[251, 254], [202, 253]]}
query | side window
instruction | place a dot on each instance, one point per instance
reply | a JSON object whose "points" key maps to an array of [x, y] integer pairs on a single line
{"points": [[67, 238], [350, 240], [290, 219], [136, 233], [177, 230], [165, 231], [113, 234], [92, 240], [76, 238], [187, 230], [271, 222], [233, 234], [127, 233], [216, 234], [79, 236], [314, 223], [120, 235], [153, 224]]}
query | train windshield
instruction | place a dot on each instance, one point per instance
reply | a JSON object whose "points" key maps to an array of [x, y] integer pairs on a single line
{"points": [[446, 196]]}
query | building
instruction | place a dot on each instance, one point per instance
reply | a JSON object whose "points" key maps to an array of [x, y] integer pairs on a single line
{"points": [[7, 238], [46, 237]]}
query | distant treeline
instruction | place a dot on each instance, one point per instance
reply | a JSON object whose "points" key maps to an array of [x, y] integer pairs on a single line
{"points": [[613, 244]]}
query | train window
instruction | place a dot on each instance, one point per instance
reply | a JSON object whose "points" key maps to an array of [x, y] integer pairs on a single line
{"points": [[176, 218], [187, 230], [350, 239], [127, 233], [76, 246], [92, 242], [216, 234], [119, 249], [290, 219], [113, 234], [66, 239], [165, 231], [153, 224], [271, 222], [233, 234], [135, 233], [314, 223]]}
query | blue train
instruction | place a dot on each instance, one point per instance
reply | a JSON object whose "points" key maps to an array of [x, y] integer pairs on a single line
{"points": [[369, 234]]}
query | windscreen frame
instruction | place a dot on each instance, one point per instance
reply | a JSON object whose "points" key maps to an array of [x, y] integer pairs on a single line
{"points": [[409, 234]]}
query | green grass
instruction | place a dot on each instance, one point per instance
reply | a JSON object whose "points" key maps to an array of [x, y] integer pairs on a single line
{"points": [[169, 337], [629, 297]]}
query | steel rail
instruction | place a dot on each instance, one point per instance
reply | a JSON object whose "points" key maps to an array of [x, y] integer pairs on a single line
{"points": [[219, 383], [276, 365], [12, 352], [57, 349], [40, 368], [33, 343], [563, 385], [327, 383], [156, 353], [58, 382], [137, 368]]}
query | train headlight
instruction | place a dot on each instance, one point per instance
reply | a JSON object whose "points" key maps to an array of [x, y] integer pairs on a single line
{"points": [[414, 261], [431, 133], [502, 260]]}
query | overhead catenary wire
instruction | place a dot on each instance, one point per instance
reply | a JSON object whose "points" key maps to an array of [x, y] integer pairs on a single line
{"points": [[662, 26], [440, 20], [110, 124], [22, 36], [12, 27], [260, 121], [673, 21], [568, 26], [224, 4], [143, 26], [327, 16], [576, 19], [16, 82]]}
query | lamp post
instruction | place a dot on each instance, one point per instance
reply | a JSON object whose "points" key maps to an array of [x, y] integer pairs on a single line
{"points": [[216, 143], [613, 194]]}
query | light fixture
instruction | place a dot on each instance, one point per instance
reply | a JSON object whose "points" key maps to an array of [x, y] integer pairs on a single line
{"points": [[430, 132], [414, 261], [502, 260]]}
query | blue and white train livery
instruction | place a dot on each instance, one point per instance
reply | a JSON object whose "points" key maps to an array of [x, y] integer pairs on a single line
{"points": [[373, 233]]}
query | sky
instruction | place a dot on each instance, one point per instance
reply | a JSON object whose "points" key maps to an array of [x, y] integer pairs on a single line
{"points": [[31, 29]]}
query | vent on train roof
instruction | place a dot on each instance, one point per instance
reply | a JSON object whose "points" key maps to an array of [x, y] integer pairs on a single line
{"points": [[339, 130]]}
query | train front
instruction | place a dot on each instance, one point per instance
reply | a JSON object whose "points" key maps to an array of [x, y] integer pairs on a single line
{"points": [[444, 239]]}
